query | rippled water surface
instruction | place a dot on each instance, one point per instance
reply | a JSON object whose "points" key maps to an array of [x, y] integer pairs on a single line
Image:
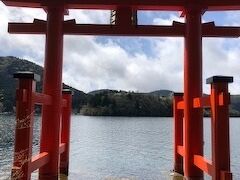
{"points": [[117, 147]]}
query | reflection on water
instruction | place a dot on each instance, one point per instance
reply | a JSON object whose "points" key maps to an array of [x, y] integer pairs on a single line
{"points": [[121, 147], [116, 147]]}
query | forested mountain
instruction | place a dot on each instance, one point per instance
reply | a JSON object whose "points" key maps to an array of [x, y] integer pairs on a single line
{"points": [[107, 102], [103, 102], [11, 65], [122, 103]]}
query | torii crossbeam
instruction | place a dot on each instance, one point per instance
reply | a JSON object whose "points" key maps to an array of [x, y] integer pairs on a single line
{"points": [[71, 28], [169, 5], [193, 30]]}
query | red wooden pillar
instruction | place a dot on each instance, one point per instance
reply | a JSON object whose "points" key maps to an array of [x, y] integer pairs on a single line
{"points": [[52, 85], [193, 118], [24, 125], [178, 132], [65, 133], [220, 100]]}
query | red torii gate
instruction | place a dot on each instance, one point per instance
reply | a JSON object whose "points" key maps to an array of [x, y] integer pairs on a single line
{"points": [[193, 30]]}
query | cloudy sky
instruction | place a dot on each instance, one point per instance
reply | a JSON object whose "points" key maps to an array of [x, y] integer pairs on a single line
{"points": [[138, 63]]}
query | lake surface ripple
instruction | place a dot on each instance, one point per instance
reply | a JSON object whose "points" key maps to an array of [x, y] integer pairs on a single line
{"points": [[107, 148]]}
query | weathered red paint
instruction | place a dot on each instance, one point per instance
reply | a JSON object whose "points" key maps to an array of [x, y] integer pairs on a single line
{"points": [[24, 164], [24, 127], [52, 85]]}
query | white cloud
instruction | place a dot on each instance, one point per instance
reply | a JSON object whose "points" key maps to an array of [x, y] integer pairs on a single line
{"points": [[233, 18], [164, 21], [110, 66], [90, 63], [219, 60], [20, 45], [89, 16]]}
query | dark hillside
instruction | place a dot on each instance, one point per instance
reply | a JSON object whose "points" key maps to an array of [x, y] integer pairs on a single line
{"points": [[10, 65], [122, 103], [235, 105], [163, 93]]}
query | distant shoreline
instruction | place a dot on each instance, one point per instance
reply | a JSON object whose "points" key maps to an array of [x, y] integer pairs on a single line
{"points": [[37, 114]]}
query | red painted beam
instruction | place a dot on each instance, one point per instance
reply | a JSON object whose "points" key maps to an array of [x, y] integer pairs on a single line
{"points": [[70, 28], [227, 32], [221, 5], [173, 5], [201, 102], [210, 30], [23, 3], [37, 27], [26, 28], [180, 150], [176, 30], [39, 98], [39, 161], [203, 164], [169, 5], [180, 105], [140, 30]]}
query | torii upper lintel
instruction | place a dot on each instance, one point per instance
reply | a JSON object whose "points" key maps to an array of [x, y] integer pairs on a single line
{"points": [[168, 5]]}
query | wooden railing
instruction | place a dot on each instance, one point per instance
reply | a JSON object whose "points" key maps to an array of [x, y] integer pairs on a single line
{"points": [[218, 101], [26, 98]]}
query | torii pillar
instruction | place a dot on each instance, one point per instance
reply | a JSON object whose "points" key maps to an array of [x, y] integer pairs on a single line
{"points": [[193, 123], [52, 85]]}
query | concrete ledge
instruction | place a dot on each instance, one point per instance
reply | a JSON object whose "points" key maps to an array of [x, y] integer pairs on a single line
{"points": [[176, 176]]}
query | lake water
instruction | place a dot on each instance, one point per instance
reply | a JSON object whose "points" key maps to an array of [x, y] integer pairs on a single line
{"points": [[117, 147]]}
